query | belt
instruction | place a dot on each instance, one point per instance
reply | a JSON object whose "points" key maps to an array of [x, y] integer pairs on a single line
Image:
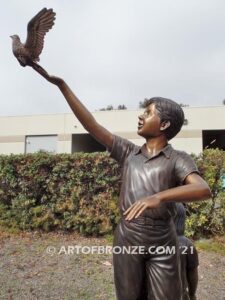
{"points": [[150, 221]]}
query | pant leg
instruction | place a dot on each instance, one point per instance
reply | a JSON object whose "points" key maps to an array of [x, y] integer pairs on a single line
{"points": [[163, 269], [141, 276], [129, 271], [163, 278]]}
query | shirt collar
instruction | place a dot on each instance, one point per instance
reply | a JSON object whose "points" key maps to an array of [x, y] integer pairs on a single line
{"points": [[167, 150]]}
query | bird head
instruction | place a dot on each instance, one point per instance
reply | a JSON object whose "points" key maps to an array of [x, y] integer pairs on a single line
{"points": [[14, 37]]}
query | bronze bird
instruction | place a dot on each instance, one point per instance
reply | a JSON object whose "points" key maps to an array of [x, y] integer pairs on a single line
{"points": [[39, 25]]}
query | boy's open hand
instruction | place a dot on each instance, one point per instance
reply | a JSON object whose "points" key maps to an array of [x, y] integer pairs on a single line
{"points": [[53, 79], [135, 210]]}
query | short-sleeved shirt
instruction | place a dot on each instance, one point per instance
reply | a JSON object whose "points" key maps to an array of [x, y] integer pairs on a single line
{"points": [[144, 176]]}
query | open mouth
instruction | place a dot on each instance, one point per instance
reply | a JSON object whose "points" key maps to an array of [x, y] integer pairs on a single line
{"points": [[140, 125]]}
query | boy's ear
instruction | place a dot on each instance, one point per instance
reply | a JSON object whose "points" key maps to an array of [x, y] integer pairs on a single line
{"points": [[164, 125]]}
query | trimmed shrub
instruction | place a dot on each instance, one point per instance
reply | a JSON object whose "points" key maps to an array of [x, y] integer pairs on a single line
{"points": [[59, 192], [80, 192], [208, 217]]}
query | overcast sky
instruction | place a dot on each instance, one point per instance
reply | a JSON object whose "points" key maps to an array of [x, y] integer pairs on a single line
{"points": [[116, 52]]}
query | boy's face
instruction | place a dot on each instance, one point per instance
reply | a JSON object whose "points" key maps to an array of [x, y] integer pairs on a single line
{"points": [[149, 123]]}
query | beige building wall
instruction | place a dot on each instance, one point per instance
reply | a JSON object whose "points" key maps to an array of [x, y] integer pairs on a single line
{"points": [[64, 143], [190, 145], [13, 130], [15, 148], [211, 117]]}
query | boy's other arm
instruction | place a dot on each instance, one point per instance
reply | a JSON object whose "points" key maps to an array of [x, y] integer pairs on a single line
{"points": [[194, 188], [101, 134]]}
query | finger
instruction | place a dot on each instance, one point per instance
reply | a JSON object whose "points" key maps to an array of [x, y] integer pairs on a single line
{"points": [[41, 71], [140, 211], [134, 211], [129, 209]]}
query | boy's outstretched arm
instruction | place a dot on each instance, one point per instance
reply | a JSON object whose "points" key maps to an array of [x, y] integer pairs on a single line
{"points": [[101, 134]]}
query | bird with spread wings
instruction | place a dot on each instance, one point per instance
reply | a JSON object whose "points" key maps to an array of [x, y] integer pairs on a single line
{"points": [[28, 54]]}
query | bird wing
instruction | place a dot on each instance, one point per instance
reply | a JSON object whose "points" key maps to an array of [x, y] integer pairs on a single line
{"points": [[38, 26]]}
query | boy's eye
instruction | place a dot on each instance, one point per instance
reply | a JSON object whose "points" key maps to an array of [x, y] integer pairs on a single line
{"points": [[147, 113]]}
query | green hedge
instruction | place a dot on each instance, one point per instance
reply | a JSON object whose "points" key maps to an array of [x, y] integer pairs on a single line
{"points": [[80, 192], [208, 217], [59, 192]]}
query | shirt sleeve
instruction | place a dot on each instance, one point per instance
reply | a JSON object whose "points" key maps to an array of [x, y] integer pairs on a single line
{"points": [[184, 166], [121, 149]]}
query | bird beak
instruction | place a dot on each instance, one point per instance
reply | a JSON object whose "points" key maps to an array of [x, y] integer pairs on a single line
{"points": [[11, 36]]}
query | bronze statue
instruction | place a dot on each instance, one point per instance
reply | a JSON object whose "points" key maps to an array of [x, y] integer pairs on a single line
{"points": [[28, 54], [188, 256], [154, 177]]}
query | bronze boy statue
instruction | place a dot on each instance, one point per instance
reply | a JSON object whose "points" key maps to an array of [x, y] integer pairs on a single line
{"points": [[154, 177]]}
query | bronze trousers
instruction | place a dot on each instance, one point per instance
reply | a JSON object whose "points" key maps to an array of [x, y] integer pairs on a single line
{"points": [[152, 274]]}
